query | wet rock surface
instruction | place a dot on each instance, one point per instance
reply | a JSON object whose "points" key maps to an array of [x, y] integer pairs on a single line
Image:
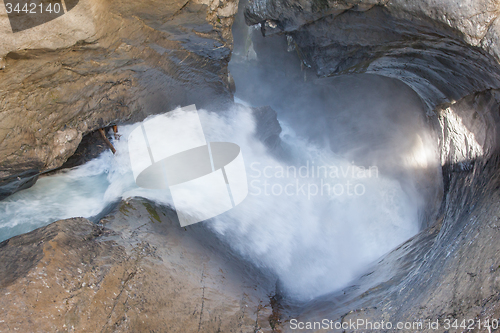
{"points": [[268, 127], [445, 51], [139, 271], [475, 20], [122, 61], [91, 146], [136, 271], [449, 271]]}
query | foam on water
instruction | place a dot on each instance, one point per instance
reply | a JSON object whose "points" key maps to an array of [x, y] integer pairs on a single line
{"points": [[314, 244]]}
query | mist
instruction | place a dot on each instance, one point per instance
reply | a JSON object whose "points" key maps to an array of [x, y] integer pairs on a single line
{"points": [[320, 244], [349, 178]]}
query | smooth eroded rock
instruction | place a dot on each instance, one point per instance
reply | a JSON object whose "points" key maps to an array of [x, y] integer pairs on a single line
{"points": [[138, 271]]}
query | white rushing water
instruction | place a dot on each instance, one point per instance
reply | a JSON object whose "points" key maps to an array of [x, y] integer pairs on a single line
{"points": [[314, 242]]}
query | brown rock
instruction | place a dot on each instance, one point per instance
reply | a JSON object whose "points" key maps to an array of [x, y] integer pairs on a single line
{"points": [[141, 272], [105, 63]]}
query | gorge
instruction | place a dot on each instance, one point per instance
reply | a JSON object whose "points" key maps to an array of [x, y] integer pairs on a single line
{"points": [[410, 87]]}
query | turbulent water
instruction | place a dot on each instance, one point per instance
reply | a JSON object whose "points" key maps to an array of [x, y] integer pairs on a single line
{"points": [[344, 186], [314, 240]]}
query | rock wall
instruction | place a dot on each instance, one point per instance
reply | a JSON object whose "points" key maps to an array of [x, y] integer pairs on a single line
{"points": [[444, 50], [447, 52], [474, 21], [102, 63], [449, 270]]}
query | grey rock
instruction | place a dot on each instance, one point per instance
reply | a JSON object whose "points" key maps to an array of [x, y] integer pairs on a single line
{"points": [[426, 44], [447, 52], [450, 269], [268, 129]]}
